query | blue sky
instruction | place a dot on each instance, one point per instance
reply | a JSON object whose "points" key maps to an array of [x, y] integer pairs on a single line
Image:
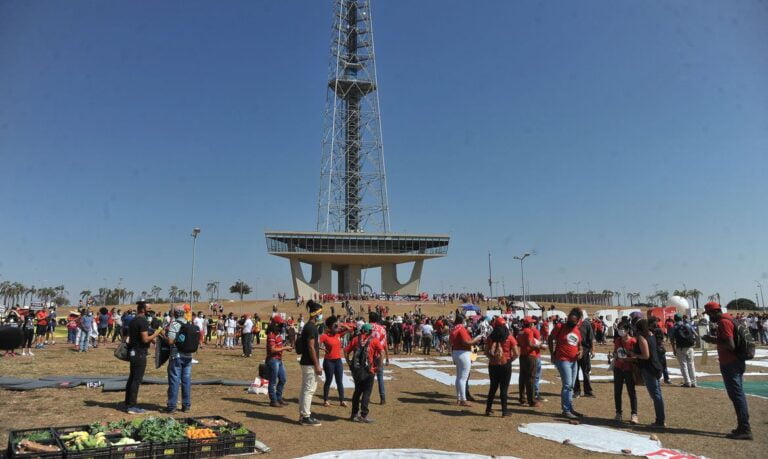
{"points": [[625, 142]]}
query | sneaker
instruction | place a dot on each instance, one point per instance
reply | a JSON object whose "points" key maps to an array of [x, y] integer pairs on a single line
{"points": [[569, 415], [194, 361], [634, 419], [356, 418], [506, 414], [617, 418], [536, 405], [275, 404], [30, 353], [169, 410], [742, 435], [693, 385], [135, 410], [590, 394], [366, 420], [383, 401], [282, 402], [186, 409], [685, 384], [576, 413], [658, 425], [309, 422], [541, 399], [23, 352], [488, 412]]}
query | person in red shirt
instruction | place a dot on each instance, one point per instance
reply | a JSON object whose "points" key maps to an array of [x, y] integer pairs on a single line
{"points": [[565, 349], [461, 345], [275, 348], [41, 319], [380, 333], [363, 377], [622, 370], [529, 340], [502, 350], [332, 363], [731, 367]]}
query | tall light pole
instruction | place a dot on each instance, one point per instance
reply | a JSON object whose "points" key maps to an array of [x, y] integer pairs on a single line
{"points": [[522, 280], [490, 276], [195, 233], [760, 286]]}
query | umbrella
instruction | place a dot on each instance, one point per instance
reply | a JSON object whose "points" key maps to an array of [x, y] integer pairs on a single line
{"points": [[470, 307]]}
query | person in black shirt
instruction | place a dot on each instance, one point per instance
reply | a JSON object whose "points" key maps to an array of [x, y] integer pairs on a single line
{"points": [[310, 364], [139, 339]]}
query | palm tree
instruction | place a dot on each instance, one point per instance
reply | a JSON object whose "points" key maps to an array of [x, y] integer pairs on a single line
{"points": [[85, 294], [695, 294], [130, 295], [663, 296], [182, 294], [608, 297], [173, 291], [155, 292], [211, 288], [195, 295]]}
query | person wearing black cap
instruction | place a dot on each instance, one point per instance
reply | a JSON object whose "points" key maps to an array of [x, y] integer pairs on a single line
{"points": [[310, 363]]}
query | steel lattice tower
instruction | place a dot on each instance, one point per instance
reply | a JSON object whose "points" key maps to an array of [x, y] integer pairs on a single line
{"points": [[353, 186]]}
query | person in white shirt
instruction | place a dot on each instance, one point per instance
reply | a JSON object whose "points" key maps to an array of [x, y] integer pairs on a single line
{"points": [[247, 337], [201, 325], [230, 325]]}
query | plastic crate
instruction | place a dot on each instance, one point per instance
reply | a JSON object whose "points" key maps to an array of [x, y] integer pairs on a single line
{"points": [[141, 450], [232, 444], [17, 435], [90, 453], [171, 450]]}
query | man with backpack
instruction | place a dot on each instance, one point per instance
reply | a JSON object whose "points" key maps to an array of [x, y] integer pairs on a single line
{"points": [[363, 355], [683, 338], [184, 339], [732, 351]]}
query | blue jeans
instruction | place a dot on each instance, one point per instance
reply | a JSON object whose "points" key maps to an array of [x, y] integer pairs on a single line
{"points": [[180, 373], [71, 336], [276, 378], [537, 379], [567, 372], [84, 335], [333, 369], [380, 379], [654, 390], [733, 377]]}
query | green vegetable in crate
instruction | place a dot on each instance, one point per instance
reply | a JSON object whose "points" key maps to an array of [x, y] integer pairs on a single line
{"points": [[42, 435], [162, 430], [125, 441], [83, 440]]}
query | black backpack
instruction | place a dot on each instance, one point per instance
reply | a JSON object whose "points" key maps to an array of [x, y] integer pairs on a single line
{"points": [[359, 365], [188, 338], [299, 344], [684, 336], [743, 341]]}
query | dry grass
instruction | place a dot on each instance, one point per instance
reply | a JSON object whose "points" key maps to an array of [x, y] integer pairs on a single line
{"points": [[420, 413]]}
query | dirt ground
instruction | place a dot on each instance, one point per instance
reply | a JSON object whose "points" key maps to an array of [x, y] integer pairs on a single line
{"points": [[420, 412]]}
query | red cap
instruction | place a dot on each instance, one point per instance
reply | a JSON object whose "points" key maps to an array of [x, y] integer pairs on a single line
{"points": [[500, 321], [278, 320], [712, 306], [528, 320]]}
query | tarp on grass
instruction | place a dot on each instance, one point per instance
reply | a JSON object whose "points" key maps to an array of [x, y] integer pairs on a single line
{"points": [[398, 454]]}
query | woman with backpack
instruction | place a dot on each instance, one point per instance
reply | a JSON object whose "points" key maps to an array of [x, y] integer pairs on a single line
{"points": [[645, 356], [461, 348], [363, 355], [333, 367], [655, 325], [501, 351], [623, 342]]}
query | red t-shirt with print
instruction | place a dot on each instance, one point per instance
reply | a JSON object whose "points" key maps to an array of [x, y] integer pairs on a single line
{"points": [[566, 342], [725, 330], [628, 346], [274, 340]]}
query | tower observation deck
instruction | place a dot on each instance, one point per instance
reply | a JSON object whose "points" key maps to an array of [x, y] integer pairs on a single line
{"points": [[353, 190]]}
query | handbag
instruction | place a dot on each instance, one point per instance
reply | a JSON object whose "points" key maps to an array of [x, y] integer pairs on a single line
{"points": [[122, 352]]}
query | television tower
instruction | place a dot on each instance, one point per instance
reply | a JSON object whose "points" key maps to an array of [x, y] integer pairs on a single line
{"points": [[353, 186]]}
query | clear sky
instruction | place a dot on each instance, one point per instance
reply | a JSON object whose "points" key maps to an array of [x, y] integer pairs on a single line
{"points": [[625, 142]]}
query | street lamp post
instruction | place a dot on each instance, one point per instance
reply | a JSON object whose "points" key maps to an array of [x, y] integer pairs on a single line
{"points": [[195, 233], [490, 276], [760, 286], [522, 280]]}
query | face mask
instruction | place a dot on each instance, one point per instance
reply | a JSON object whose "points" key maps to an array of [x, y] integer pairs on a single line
{"points": [[622, 332], [318, 317]]}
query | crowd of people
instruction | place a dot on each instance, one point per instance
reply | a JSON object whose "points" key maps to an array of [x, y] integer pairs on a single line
{"points": [[364, 342]]}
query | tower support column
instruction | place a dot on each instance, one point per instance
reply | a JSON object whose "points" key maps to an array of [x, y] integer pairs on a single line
{"points": [[390, 284]]}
